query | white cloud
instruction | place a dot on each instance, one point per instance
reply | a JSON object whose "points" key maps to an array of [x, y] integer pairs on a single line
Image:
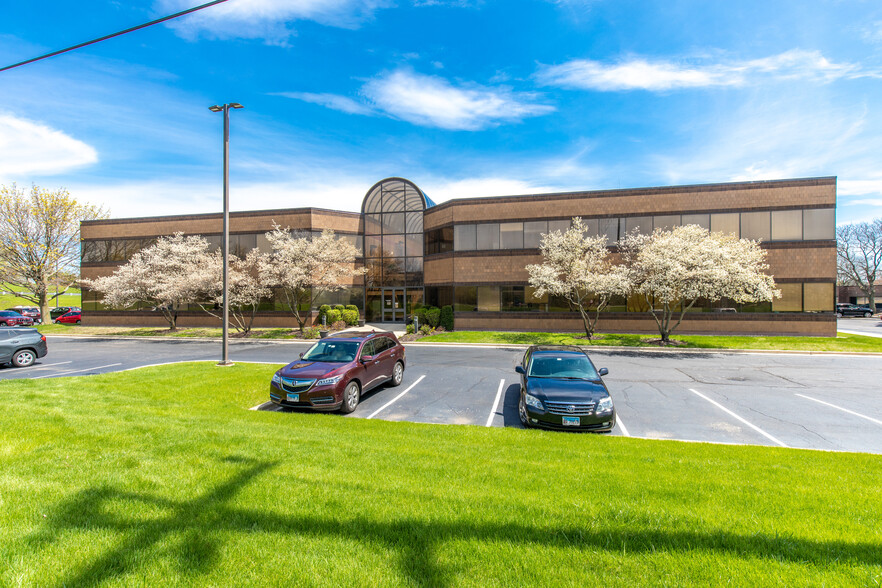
{"points": [[432, 101], [643, 74], [266, 19], [28, 147], [442, 190]]}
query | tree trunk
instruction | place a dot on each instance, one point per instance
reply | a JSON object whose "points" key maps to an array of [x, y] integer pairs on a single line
{"points": [[586, 322]]}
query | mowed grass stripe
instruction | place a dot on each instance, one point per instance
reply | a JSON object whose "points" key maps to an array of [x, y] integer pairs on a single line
{"points": [[163, 476]]}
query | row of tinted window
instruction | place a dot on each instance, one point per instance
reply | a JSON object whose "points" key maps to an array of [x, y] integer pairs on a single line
{"points": [[393, 222], [795, 297], [778, 225], [120, 250]]}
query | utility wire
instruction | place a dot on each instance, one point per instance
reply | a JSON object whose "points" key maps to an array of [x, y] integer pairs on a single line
{"points": [[104, 38]]}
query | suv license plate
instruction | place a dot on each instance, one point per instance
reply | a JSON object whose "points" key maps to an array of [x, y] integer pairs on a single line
{"points": [[571, 421], [296, 398]]}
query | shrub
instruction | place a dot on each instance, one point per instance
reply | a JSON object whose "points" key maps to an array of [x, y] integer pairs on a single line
{"points": [[426, 330], [338, 325], [446, 320], [334, 315], [410, 329], [351, 307], [350, 317], [433, 315], [339, 307], [311, 333]]}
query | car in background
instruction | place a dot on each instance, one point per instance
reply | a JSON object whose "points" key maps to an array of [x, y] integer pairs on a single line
{"points": [[561, 389], [853, 310], [29, 311], [21, 346], [337, 370], [60, 310], [12, 318], [74, 316]]}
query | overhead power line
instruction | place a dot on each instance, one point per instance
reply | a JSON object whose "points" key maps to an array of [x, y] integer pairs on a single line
{"points": [[105, 37]]}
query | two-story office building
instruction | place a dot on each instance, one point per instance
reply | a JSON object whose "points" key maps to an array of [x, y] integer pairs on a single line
{"points": [[471, 253]]}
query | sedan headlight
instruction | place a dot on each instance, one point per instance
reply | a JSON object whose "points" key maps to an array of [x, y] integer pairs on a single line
{"points": [[328, 381], [277, 379], [533, 402], [605, 405]]}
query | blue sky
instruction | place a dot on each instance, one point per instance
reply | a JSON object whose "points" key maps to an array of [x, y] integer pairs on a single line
{"points": [[465, 98]]}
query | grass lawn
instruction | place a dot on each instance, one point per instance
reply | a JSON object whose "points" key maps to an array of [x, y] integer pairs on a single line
{"points": [[162, 477], [843, 342], [72, 298]]}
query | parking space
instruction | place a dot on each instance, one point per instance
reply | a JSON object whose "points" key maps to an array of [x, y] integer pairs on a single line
{"points": [[829, 402]]}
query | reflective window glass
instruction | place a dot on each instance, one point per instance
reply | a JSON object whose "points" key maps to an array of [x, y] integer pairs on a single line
{"points": [[373, 202], [702, 220], [591, 227], [559, 225], [533, 231], [666, 222], [756, 225], [818, 297], [791, 298], [787, 225], [488, 236], [641, 224], [414, 222], [726, 223], [819, 224], [610, 228], [439, 240], [488, 298], [393, 272], [465, 237], [465, 299], [372, 224], [393, 222], [393, 245], [413, 200], [393, 200], [414, 244], [511, 235], [262, 243], [372, 247]]}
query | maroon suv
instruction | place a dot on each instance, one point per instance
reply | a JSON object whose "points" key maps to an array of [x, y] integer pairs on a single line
{"points": [[10, 318], [337, 370]]}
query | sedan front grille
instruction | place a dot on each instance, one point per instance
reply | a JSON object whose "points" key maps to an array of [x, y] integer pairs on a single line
{"points": [[571, 408], [295, 385]]}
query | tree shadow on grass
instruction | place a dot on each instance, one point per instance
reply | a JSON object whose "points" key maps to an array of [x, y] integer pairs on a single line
{"points": [[413, 540]]}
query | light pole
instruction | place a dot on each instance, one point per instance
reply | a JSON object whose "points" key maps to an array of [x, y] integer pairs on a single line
{"points": [[225, 242]]}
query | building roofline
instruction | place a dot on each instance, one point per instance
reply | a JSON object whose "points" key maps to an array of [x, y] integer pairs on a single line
{"points": [[219, 215], [716, 187]]}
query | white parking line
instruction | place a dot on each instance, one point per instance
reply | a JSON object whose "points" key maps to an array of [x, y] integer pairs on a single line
{"points": [[376, 412], [100, 367], [40, 366], [495, 403], [857, 414], [735, 416], [622, 426]]}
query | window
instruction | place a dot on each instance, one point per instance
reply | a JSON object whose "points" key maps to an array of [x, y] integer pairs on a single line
{"points": [[393, 245], [533, 231], [488, 298], [818, 297], [488, 236], [414, 245], [666, 222], [819, 224], [439, 240], [791, 298], [465, 237], [393, 222], [367, 348], [787, 225], [465, 299], [641, 224], [558, 225], [610, 228], [590, 227], [702, 220], [413, 222], [513, 298], [756, 225], [511, 235], [726, 223]]}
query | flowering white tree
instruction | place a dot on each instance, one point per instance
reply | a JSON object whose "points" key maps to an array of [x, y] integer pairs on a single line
{"points": [[674, 269], [166, 275], [579, 269], [305, 268], [245, 289]]}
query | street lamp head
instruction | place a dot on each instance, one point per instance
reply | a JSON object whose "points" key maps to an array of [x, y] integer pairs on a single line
{"points": [[215, 108], [236, 105]]}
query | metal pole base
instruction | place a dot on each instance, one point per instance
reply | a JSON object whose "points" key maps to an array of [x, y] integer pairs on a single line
{"points": [[224, 363]]}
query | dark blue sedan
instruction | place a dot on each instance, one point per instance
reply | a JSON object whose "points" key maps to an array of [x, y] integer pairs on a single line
{"points": [[561, 389]]}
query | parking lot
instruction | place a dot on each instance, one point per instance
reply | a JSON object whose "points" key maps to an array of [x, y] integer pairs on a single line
{"points": [[829, 402]]}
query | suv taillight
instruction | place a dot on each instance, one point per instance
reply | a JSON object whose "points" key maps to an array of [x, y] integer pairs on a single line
{"points": [[43, 338]]}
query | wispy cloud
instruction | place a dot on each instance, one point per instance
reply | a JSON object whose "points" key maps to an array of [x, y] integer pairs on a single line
{"points": [[637, 73], [433, 101], [270, 20], [29, 147]]}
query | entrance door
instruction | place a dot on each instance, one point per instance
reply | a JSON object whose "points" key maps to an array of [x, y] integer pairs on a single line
{"points": [[393, 305]]}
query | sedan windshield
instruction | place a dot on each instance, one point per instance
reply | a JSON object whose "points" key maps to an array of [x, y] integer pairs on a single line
{"points": [[333, 351], [562, 365]]}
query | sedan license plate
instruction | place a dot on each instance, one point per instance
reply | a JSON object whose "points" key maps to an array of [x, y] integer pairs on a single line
{"points": [[296, 398], [571, 421]]}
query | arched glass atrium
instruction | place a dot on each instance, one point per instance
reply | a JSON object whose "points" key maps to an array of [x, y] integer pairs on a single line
{"points": [[392, 225]]}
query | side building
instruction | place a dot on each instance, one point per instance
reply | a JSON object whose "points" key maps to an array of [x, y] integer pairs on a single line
{"points": [[471, 253]]}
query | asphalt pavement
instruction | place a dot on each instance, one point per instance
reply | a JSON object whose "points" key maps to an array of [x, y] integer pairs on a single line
{"points": [[861, 326], [819, 401]]}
